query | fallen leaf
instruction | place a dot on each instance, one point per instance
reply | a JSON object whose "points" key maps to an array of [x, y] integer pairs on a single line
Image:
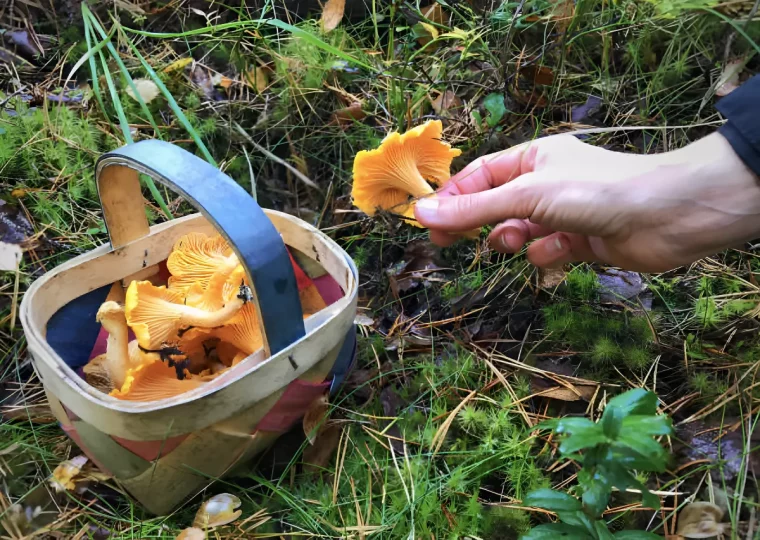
{"points": [[552, 390], [425, 33], [348, 115], [192, 533], [562, 14], [23, 42], [549, 278], [618, 286], [434, 13], [222, 80], [257, 78], [539, 74], [364, 320], [217, 511], [177, 65], [729, 79], [317, 456], [701, 520], [315, 417], [445, 102], [582, 112], [332, 14], [146, 88], [65, 473]]}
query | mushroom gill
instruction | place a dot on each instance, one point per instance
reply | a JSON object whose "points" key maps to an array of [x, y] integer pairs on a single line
{"points": [[397, 173], [152, 381], [157, 315], [196, 257]]}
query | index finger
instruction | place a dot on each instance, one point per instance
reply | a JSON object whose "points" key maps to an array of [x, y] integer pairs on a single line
{"points": [[492, 170]]}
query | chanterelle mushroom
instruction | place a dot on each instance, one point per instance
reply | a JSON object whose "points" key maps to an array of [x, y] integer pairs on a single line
{"points": [[157, 314], [196, 258], [119, 355], [152, 381], [397, 173]]}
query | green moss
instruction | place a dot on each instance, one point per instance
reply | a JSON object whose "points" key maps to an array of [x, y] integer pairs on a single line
{"points": [[605, 351], [582, 284]]}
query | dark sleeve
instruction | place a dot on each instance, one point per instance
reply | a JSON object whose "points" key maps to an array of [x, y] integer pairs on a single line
{"points": [[742, 110]]}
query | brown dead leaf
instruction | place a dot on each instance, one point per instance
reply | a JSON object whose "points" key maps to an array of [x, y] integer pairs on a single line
{"points": [[549, 278], [434, 13], [542, 75], [553, 390], [315, 417], [318, 456], [729, 79], [445, 102], [257, 78], [426, 33], [562, 14], [701, 520], [217, 511], [348, 115], [332, 14]]}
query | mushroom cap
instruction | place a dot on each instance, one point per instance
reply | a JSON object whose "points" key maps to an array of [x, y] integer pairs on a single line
{"points": [[242, 331], [152, 313], [395, 174], [196, 257], [153, 381]]}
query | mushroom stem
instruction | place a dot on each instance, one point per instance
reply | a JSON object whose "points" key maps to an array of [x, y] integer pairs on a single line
{"points": [[111, 317]]}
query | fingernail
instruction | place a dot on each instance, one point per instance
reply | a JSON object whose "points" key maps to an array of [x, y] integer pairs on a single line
{"points": [[427, 208], [511, 239], [558, 245]]}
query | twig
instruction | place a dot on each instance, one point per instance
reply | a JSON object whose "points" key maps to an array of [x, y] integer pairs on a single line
{"points": [[305, 179]]}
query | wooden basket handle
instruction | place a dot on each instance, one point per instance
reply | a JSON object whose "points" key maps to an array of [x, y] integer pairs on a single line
{"points": [[226, 205]]}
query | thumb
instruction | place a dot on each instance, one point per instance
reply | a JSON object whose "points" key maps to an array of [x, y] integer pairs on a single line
{"points": [[517, 199]]}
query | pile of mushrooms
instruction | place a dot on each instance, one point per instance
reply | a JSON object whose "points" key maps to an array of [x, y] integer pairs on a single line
{"points": [[188, 332]]}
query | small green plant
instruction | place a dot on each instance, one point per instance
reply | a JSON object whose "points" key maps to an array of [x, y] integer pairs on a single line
{"points": [[609, 451]]}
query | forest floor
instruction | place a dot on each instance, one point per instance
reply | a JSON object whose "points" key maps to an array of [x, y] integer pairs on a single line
{"points": [[462, 351]]}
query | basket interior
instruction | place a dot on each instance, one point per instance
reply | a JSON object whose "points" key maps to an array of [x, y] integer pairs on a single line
{"points": [[76, 337]]}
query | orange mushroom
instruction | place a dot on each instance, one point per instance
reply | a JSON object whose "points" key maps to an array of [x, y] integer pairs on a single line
{"points": [[157, 314], [120, 355], [196, 257], [152, 381], [397, 173]]}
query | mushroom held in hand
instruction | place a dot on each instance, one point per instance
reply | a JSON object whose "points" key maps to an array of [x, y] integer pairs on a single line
{"points": [[157, 314], [397, 173]]}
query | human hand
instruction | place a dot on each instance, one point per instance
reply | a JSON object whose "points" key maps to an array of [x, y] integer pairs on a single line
{"points": [[648, 213]]}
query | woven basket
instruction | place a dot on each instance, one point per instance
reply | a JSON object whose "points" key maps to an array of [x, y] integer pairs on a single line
{"points": [[163, 451]]}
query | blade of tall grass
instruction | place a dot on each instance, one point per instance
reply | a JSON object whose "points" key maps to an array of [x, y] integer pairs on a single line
{"points": [[293, 30], [173, 105], [123, 124]]}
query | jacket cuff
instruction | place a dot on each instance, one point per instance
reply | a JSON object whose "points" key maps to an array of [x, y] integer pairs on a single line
{"points": [[742, 110]]}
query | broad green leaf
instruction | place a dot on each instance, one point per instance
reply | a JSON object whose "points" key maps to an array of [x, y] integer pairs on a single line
{"points": [[575, 424], [636, 535], [579, 441], [636, 401], [596, 495], [577, 519], [648, 425], [550, 531], [494, 104], [602, 531], [612, 421], [553, 500], [646, 446], [622, 479], [632, 459]]}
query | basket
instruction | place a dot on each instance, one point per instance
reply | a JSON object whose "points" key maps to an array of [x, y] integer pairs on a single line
{"points": [[163, 451]]}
